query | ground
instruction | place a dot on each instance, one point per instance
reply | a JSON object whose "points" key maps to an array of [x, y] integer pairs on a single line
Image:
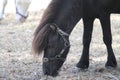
{"points": [[17, 62]]}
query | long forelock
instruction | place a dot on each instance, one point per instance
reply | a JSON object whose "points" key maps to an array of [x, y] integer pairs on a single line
{"points": [[42, 32]]}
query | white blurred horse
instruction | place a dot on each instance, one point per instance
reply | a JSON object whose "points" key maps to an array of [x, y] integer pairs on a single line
{"points": [[21, 9]]}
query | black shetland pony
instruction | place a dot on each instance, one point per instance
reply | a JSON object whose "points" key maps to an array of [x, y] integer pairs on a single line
{"points": [[59, 19]]}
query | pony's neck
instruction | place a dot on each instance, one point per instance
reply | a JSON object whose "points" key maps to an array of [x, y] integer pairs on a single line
{"points": [[64, 13], [68, 15], [67, 26]]}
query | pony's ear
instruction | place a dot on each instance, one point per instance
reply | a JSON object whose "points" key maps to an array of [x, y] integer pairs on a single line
{"points": [[53, 27], [40, 39]]}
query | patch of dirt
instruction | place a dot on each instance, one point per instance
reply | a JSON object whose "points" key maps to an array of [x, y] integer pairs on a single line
{"points": [[16, 62]]}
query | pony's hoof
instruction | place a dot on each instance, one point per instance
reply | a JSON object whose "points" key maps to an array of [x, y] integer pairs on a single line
{"points": [[110, 65], [82, 66]]}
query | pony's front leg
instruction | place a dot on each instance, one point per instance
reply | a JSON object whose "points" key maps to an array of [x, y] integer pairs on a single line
{"points": [[88, 27], [107, 38]]}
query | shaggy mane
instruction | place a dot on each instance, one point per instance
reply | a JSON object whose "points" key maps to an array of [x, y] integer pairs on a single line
{"points": [[43, 30]]}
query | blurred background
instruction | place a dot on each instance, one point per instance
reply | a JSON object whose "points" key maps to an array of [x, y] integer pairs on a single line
{"points": [[36, 5]]}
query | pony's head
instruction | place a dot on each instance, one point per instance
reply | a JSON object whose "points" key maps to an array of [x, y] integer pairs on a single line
{"points": [[22, 9], [52, 35], [55, 43]]}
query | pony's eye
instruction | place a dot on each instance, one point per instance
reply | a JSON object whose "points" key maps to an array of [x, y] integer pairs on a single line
{"points": [[45, 59]]}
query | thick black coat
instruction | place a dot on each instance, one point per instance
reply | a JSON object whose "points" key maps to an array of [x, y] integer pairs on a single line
{"points": [[65, 14]]}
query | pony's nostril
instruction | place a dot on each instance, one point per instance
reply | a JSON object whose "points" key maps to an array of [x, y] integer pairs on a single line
{"points": [[54, 74], [50, 72]]}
